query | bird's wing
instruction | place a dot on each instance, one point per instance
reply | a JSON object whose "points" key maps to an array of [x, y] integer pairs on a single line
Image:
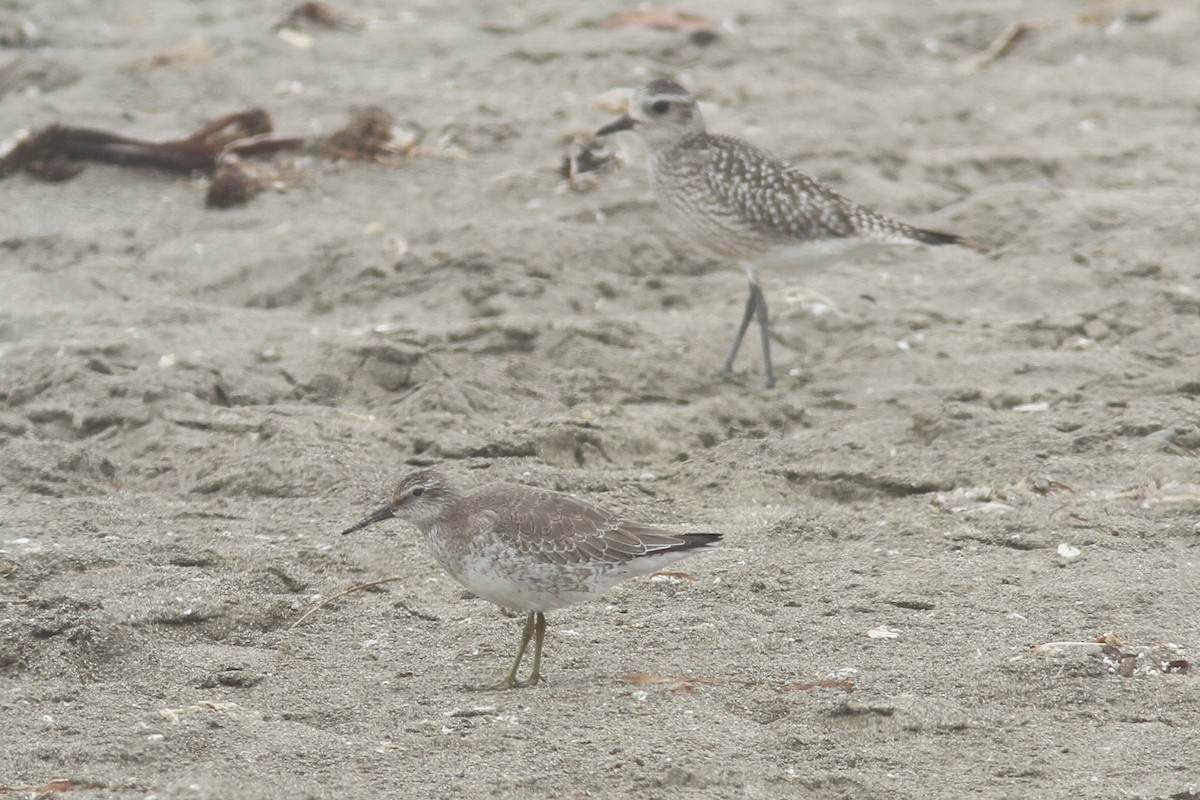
{"points": [[566, 530], [775, 197]]}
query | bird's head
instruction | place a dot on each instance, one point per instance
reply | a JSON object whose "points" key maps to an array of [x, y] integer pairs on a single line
{"points": [[420, 498], [662, 112]]}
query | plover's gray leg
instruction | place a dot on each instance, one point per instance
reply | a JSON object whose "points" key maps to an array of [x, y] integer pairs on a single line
{"points": [[764, 332], [756, 305], [747, 315]]}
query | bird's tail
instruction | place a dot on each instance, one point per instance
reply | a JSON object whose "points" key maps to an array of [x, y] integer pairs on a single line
{"points": [[657, 543], [938, 238], [694, 540]]}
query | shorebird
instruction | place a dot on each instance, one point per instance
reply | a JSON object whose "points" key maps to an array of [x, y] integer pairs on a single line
{"points": [[530, 549], [743, 203]]}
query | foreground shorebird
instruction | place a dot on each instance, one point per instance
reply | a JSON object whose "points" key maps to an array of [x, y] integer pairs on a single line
{"points": [[744, 203], [531, 549]]}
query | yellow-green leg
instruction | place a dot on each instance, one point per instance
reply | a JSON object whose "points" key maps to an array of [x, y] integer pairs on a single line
{"points": [[539, 636], [535, 622]]}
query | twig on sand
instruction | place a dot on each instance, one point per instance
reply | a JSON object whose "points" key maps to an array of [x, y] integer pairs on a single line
{"points": [[343, 593], [1001, 46], [689, 683]]}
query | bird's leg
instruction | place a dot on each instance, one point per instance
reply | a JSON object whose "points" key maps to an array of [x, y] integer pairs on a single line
{"points": [[760, 305], [751, 309], [539, 636], [509, 681]]}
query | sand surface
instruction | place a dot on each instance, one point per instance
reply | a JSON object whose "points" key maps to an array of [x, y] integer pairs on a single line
{"points": [[966, 455]]}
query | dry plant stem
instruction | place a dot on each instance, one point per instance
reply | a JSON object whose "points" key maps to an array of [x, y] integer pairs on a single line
{"points": [[1005, 42], [1000, 47], [343, 593], [689, 683]]}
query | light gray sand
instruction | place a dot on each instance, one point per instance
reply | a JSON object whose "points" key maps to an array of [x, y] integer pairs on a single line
{"points": [[193, 403]]}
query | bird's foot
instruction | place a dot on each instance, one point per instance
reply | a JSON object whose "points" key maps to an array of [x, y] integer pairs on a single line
{"points": [[725, 373], [509, 681]]}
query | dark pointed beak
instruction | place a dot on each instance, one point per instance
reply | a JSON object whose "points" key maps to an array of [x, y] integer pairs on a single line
{"points": [[622, 123], [378, 516]]}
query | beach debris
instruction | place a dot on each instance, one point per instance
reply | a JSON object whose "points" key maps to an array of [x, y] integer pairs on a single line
{"points": [[701, 30], [52, 153], [1121, 658], [1158, 491], [233, 184], [1001, 46], [319, 15], [973, 500], [1068, 552], [1106, 643], [586, 158], [371, 135], [661, 18], [689, 683], [1044, 486], [1003, 499], [615, 100], [205, 707], [57, 152], [1115, 20], [356, 588], [672, 575], [53, 787]]}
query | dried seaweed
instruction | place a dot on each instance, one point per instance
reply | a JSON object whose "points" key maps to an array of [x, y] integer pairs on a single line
{"points": [[219, 148]]}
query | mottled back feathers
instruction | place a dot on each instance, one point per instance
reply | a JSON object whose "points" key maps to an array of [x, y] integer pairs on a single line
{"points": [[740, 201], [561, 529]]}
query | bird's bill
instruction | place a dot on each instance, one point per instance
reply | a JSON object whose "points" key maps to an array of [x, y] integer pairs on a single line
{"points": [[378, 516], [621, 123]]}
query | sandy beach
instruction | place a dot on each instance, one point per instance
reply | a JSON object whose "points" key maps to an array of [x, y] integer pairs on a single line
{"points": [[962, 534]]}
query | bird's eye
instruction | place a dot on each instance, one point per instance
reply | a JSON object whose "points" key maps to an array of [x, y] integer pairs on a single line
{"points": [[417, 492], [659, 107]]}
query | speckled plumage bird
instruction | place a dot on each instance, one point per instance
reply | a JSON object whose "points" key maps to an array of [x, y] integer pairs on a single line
{"points": [[743, 203], [531, 549]]}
